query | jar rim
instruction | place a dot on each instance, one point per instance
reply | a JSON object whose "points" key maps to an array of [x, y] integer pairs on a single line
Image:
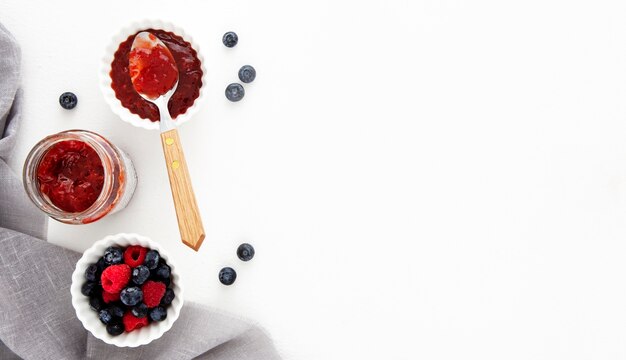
{"points": [[110, 158]]}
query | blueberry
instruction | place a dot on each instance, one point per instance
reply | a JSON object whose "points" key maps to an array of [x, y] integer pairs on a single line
{"points": [[227, 276], [95, 303], [245, 252], [68, 100], [113, 255], [152, 259], [230, 39], [163, 271], [168, 297], [234, 92], [91, 272], [89, 288], [140, 274], [105, 316], [101, 265], [166, 281], [131, 296], [140, 310], [158, 313], [115, 329], [247, 74], [116, 310]]}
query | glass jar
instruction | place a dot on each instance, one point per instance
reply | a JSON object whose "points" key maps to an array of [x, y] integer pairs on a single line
{"points": [[118, 174]]}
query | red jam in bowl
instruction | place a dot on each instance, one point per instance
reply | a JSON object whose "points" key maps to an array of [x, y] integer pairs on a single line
{"points": [[71, 175], [189, 77], [152, 68]]}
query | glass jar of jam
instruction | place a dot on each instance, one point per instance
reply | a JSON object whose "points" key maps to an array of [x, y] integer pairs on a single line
{"points": [[78, 177]]}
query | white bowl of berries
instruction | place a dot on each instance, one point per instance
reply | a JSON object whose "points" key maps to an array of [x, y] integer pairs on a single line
{"points": [[126, 291]]}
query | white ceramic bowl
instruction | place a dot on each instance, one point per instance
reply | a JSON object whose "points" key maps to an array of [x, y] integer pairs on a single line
{"points": [[89, 318], [105, 78]]}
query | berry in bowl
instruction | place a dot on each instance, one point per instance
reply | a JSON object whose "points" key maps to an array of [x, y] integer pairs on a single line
{"points": [[118, 89], [126, 291]]}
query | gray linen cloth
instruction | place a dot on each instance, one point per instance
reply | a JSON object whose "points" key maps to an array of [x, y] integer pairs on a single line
{"points": [[37, 320]]}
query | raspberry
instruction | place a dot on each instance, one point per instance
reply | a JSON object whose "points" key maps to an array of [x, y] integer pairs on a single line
{"points": [[153, 291], [133, 323], [115, 277], [135, 255], [108, 297]]}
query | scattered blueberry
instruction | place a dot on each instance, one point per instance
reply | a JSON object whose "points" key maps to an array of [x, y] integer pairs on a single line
{"points": [[88, 289], [131, 296], [91, 272], [105, 316], [158, 313], [234, 92], [227, 276], [140, 310], [115, 329], [95, 303], [163, 271], [168, 297], [247, 74], [116, 311], [152, 259], [245, 252], [230, 39], [68, 100], [140, 274], [113, 255]]}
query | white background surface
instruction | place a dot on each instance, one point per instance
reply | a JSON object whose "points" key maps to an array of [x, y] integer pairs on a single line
{"points": [[421, 179]]}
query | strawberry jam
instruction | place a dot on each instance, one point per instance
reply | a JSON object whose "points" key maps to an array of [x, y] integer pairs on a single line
{"points": [[71, 175], [151, 67], [189, 77]]}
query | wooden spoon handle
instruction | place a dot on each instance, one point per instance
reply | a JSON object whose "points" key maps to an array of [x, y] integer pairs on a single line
{"points": [[189, 221]]}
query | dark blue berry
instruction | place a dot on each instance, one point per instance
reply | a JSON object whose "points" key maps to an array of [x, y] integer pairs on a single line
{"points": [[152, 259], [95, 303], [245, 252], [115, 329], [163, 271], [91, 272], [140, 274], [105, 316], [116, 310], [131, 296], [234, 92], [247, 74], [168, 297], [158, 313], [227, 276], [113, 255], [68, 100], [101, 265], [89, 289], [230, 39], [140, 310]]}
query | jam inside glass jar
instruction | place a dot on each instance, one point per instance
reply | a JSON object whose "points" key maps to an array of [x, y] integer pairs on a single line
{"points": [[78, 177], [71, 175]]}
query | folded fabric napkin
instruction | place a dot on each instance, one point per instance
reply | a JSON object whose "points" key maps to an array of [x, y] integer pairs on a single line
{"points": [[37, 320]]}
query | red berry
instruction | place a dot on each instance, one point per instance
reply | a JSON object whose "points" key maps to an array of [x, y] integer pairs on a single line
{"points": [[109, 297], [115, 277], [153, 291], [135, 255], [131, 322]]}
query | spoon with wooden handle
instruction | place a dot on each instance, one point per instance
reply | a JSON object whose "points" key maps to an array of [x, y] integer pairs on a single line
{"points": [[154, 75]]}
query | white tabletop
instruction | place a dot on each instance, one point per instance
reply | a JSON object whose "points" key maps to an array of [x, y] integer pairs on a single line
{"points": [[420, 179]]}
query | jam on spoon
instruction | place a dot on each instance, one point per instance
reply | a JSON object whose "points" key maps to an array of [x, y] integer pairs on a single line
{"points": [[152, 67]]}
